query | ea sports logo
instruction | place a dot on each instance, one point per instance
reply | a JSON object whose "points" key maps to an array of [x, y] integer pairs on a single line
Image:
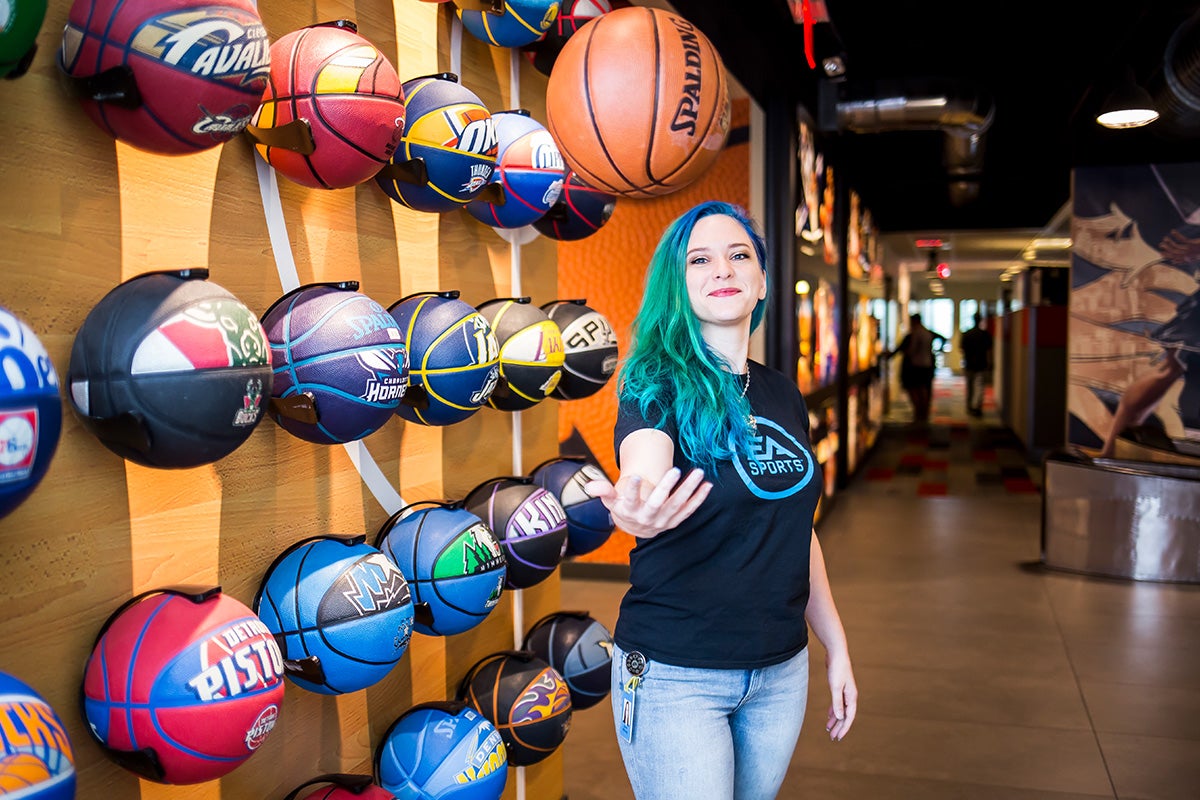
{"points": [[779, 465]]}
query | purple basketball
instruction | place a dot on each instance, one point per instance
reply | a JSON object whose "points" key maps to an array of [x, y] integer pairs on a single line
{"points": [[339, 360], [529, 522]]}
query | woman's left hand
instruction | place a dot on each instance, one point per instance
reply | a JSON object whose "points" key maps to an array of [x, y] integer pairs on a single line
{"points": [[845, 697]]}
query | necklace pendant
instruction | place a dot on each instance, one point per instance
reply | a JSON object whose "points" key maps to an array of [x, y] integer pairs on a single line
{"points": [[753, 423]]}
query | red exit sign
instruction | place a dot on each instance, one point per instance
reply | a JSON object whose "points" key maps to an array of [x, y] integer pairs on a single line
{"points": [[927, 243]]}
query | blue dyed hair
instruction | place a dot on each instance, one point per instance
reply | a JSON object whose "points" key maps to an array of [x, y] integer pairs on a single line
{"points": [[670, 371]]}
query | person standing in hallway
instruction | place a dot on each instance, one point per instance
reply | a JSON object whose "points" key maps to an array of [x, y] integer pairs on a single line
{"points": [[719, 484], [977, 364], [916, 365]]}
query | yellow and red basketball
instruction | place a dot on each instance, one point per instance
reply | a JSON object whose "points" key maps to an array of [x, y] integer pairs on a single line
{"points": [[638, 102], [333, 110]]}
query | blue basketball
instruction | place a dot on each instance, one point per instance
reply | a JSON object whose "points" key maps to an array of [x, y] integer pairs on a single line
{"points": [[529, 169], [529, 522], [579, 648], [30, 411], [588, 522], [339, 363], [36, 758], [442, 751], [452, 561], [449, 140], [522, 22], [340, 610], [579, 212], [454, 358]]}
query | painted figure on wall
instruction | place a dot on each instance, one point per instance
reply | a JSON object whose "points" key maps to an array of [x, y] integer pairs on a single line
{"points": [[1135, 312]]}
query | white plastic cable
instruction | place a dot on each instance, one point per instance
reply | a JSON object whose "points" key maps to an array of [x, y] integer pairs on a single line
{"points": [[289, 278], [456, 33]]}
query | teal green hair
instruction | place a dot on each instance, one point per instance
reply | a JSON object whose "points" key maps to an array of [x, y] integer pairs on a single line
{"points": [[670, 372]]}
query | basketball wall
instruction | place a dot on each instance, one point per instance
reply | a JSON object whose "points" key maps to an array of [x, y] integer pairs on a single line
{"points": [[79, 214], [608, 268]]}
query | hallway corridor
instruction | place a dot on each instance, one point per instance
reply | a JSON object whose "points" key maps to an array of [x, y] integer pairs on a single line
{"points": [[982, 676]]}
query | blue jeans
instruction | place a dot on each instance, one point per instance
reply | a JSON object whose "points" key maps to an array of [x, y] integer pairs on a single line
{"points": [[717, 734]]}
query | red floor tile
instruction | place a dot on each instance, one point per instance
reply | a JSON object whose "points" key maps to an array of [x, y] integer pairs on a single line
{"points": [[931, 489], [936, 463], [880, 474], [1021, 486], [912, 461], [984, 455]]}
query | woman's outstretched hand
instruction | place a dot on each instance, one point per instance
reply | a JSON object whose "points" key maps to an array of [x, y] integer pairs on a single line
{"points": [[645, 514]]}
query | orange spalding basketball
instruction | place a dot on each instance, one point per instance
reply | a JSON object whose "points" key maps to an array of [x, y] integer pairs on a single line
{"points": [[638, 102]]}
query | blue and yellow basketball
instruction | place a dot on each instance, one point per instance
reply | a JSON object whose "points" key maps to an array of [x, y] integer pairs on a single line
{"points": [[445, 750], [454, 358], [522, 22], [448, 151], [36, 758]]}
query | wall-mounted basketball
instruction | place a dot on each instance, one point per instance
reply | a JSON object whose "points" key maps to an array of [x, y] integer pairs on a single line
{"points": [[30, 411], [182, 687], [454, 358], [169, 76], [340, 610], [589, 524], [36, 758], [589, 348], [448, 151], [580, 211], [341, 786], [531, 353], [445, 750], [333, 110], [170, 370], [525, 699], [18, 36], [340, 364], [572, 14], [579, 648], [529, 522], [529, 169], [453, 563], [519, 23], [638, 102]]}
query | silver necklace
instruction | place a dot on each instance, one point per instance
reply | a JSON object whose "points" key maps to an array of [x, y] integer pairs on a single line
{"points": [[750, 420]]}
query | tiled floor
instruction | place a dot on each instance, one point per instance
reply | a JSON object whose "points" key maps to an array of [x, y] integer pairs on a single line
{"points": [[982, 675]]}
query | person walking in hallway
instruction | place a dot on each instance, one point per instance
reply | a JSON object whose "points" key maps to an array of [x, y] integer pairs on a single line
{"points": [[719, 484], [977, 364], [916, 365]]}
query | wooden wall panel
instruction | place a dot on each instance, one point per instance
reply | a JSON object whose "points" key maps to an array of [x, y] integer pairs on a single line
{"points": [[79, 213]]}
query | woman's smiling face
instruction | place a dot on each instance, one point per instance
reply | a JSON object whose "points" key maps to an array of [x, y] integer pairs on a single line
{"points": [[724, 277]]}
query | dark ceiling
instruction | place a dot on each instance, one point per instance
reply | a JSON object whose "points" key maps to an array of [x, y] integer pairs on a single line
{"points": [[1042, 68]]}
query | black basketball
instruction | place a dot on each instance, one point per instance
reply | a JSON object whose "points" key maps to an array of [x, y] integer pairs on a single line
{"points": [[589, 524], [589, 348], [529, 522], [525, 699], [579, 211], [170, 370], [580, 649]]}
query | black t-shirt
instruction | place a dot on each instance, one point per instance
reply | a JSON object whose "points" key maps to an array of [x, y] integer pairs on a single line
{"points": [[728, 587], [976, 344]]}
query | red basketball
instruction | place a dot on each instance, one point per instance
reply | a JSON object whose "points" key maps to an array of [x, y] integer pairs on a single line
{"points": [[638, 102], [182, 688], [333, 110], [169, 76]]}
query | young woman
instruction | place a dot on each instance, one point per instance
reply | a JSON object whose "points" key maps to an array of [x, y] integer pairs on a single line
{"points": [[719, 484]]}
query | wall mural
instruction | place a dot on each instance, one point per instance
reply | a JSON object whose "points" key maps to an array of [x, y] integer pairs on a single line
{"points": [[1134, 335]]}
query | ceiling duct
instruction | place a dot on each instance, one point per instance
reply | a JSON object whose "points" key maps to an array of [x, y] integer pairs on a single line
{"points": [[1177, 95], [962, 117]]}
